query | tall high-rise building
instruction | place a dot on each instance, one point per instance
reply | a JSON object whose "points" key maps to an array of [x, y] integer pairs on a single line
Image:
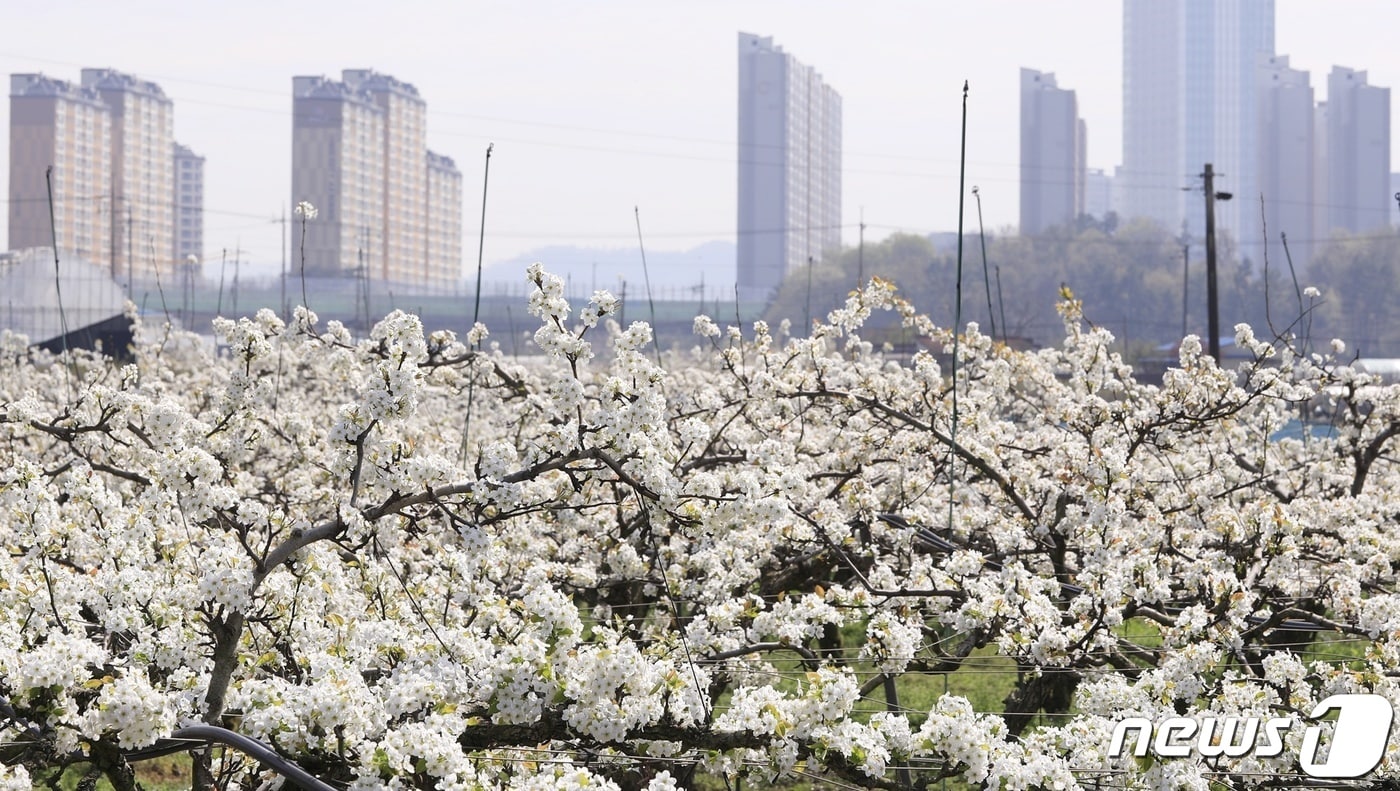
{"points": [[1285, 115], [1358, 152], [789, 167], [189, 205], [143, 172], [444, 235], [66, 126], [1099, 194], [1052, 154], [1190, 71], [403, 228], [1322, 219], [337, 166], [110, 143], [359, 155], [1154, 155]]}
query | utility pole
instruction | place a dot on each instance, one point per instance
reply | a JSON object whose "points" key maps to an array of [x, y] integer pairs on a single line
{"points": [[112, 224], [1185, 279], [129, 258], [359, 274], [986, 278], [1001, 308], [860, 255], [286, 314], [187, 289], [808, 314], [1212, 298], [237, 268], [223, 267]]}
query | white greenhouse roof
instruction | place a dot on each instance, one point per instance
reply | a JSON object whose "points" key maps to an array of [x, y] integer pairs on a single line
{"points": [[29, 294]]}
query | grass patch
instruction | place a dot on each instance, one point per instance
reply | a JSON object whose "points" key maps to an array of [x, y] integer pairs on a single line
{"points": [[1337, 649], [167, 773]]}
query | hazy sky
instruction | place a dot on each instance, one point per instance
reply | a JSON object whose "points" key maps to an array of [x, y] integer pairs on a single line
{"points": [[597, 107]]}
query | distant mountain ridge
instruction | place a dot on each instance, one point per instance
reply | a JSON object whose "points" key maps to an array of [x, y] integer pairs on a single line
{"points": [[674, 274]]}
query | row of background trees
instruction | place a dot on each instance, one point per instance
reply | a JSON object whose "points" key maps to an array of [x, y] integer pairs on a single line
{"points": [[1131, 280]]}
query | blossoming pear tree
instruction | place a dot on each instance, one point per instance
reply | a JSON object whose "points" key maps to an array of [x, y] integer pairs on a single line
{"points": [[408, 561]]}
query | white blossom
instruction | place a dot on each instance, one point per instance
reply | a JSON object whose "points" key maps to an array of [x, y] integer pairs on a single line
{"points": [[547, 591]]}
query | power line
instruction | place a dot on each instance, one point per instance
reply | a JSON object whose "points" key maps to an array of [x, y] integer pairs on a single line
{"points": [[439, 112]]}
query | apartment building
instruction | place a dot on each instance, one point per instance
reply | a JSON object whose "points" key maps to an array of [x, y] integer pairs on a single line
{"points": [[359, 155]]}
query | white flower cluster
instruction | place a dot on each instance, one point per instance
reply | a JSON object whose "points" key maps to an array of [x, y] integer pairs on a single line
{"points": [[612, 692], [602, 303], [14, 778], [62, 662], [135, 711], [891, 642], [615, 568], [705, 327], [227, 576]]}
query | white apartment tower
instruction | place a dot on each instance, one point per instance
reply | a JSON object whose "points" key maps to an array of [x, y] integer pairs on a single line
{"points": [[444, 235], [359, 155], [189, 205], [337, 166], [789, 167], [1358, 153], [1099, 201], [1053, 148], [66, 126], [143, 173], [1285, 158], [1190, 71], [403, 227]]}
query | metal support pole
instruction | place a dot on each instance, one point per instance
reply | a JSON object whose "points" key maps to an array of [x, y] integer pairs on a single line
{"points": [[1212, 297]]}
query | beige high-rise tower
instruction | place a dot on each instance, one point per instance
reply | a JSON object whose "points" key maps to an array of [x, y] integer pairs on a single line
{"points": [[336, 166], [444, 221], [66, 126], [360, 156], [143, 173], [403, 228], [189, 205]]}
